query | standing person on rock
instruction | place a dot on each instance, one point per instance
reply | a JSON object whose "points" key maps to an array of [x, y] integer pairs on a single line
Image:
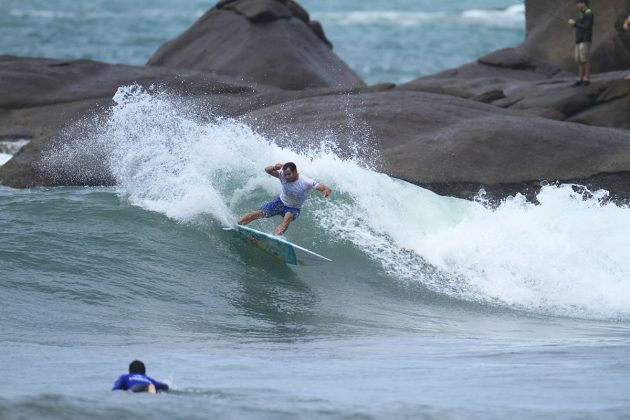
{"points": [[583, 37]]}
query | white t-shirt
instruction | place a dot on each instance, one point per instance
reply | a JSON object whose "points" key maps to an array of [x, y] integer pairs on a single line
{"points": [[294, 194]]}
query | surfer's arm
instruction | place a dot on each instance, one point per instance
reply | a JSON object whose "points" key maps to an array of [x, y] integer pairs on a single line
{"points": [[273, 169], [324, 189]]}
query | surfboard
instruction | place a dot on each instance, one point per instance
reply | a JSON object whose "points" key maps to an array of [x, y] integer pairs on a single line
{"points": [[279, 247]]}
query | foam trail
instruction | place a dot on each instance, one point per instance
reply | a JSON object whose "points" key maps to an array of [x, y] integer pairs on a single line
{"points": [[566, 256]]}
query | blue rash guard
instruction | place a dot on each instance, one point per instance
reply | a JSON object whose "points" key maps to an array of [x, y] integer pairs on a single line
{"points": [[137, 382]]}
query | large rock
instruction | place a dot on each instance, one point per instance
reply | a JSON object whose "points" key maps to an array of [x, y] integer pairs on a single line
{"points": [[508, 79], [550, 38], [27, 82], [272, 42]]}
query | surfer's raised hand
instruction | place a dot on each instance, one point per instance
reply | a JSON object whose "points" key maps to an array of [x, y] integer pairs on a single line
{"points": [[273, 169]]}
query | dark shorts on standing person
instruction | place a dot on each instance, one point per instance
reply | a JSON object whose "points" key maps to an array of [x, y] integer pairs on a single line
{"points": [[276, 207]]}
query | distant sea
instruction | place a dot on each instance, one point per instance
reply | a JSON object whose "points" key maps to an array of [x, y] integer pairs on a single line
{"points": [[433, 307], [392, 41]]}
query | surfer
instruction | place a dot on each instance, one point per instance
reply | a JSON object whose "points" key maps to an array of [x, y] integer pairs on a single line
{"points": [[295, 190], [138, 381]]}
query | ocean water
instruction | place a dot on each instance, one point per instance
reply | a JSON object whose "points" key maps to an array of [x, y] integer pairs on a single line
{"points": [[394, 41], [433, 307]]}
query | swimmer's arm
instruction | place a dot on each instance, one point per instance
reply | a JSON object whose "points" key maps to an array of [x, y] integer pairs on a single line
{"points": [[118, 385], [160, 386]]}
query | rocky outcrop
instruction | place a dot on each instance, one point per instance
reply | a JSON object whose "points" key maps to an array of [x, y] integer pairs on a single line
{"points": [[507, 79], [271, 42], [549, 38]]}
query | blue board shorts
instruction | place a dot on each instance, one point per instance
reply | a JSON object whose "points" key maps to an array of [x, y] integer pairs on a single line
{"points": [[276, 207]]}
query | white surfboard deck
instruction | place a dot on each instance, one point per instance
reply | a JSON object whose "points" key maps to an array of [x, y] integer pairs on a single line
{"points": [[279, 247]]}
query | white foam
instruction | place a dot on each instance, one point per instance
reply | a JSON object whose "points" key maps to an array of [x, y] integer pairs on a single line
{"points": [[42, 14], [89, 14], [566, 256], [511, 17]]}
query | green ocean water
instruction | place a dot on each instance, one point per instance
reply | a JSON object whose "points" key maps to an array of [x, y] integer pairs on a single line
{"points": [[433, 307]]}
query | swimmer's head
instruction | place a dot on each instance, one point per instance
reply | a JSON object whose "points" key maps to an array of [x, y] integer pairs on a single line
{"points": [[137, 367]]}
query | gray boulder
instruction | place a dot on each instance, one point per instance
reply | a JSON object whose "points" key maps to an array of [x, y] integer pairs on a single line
{"points": [[270, 42]]}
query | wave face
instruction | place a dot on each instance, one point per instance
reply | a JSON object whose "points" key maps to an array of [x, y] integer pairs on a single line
{"points": [[566, 256]]}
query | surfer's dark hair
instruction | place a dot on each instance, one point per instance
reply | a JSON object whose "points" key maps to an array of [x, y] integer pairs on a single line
{"points": [[137, 367], [289, 165]]}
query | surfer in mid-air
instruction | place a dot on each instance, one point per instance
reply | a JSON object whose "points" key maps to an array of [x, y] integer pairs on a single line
{"points": [[295, 190]]}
